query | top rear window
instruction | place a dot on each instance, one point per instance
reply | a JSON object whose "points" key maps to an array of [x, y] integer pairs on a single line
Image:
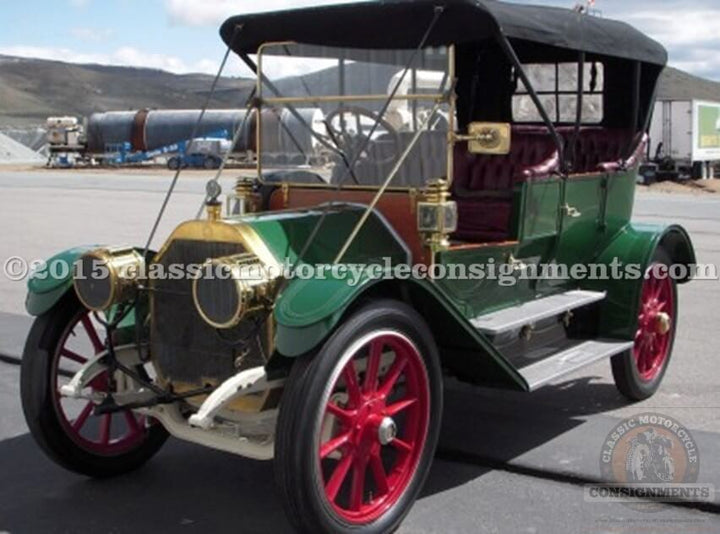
{"points": [[556, 85]]}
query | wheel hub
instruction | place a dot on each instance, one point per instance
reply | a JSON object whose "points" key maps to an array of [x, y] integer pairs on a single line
{"points": [[371, 425], [387, 431], [663, 323], [655, 323]]}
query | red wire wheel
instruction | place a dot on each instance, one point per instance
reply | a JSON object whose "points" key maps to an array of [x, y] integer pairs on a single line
{"points": [[359, 423], [653, 339], [107, 434], [375, 425], [60, 342]]}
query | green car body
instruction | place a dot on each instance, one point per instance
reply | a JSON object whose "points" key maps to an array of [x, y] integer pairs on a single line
{"points": [[308, 310]]}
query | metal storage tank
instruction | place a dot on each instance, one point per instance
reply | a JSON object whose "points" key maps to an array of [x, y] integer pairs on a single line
{"points": [[283, 132], [148, 130], [162, 128], [109, 128], [294, 137]]}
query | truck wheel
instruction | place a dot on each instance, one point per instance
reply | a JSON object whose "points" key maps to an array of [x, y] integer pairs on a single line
{"points": [[211, 163], [173, 164], [359, 424], [639, 371], [59, 342]]}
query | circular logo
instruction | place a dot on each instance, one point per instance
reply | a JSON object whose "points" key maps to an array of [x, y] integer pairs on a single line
{"points": [[651, 449]]}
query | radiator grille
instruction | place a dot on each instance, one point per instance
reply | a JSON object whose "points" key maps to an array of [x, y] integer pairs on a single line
{"points": [[184, 347]]}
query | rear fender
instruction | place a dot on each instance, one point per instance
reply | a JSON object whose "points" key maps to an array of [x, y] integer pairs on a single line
{"points": [[635, 246]]}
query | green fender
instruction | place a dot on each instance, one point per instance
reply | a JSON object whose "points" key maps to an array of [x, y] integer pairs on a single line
{"points": [[47, 285], [635, 245], [309, 310]]}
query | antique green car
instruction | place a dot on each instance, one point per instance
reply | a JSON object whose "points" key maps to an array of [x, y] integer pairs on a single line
{"points": [[443, 188]]}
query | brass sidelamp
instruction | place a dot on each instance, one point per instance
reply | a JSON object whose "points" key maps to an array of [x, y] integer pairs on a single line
{"points": [[245, 199], [437, 215]]}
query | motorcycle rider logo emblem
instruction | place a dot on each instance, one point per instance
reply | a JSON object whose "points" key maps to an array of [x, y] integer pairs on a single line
{"points": [[650, 458], [652, 452]]}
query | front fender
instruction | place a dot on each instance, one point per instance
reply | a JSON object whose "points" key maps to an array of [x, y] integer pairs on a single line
{"points": [[309, 309], [47, 285], [635, 246]]}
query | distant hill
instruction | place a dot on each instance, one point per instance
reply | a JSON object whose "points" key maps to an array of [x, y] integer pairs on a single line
{"points": [[678, 85], [32, 90]]}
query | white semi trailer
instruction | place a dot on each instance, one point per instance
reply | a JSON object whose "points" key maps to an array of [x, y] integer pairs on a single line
{"points": [[684, 140]]}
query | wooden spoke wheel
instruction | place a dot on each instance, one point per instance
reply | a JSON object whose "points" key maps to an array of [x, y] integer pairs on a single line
{"points": [[59, 343], [639, 372], [359, 423]]}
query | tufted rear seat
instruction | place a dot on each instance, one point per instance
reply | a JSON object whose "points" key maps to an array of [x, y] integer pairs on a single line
{"points": [[597, 147], [483, 185]]}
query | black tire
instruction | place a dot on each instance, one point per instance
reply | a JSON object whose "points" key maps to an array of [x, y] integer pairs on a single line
{"points": [[624, 367], [211, 163], [296, 470], [173, 164], [37, 384]]}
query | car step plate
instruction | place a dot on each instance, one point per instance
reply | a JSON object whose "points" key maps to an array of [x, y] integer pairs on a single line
{"points": [[540, 373], [516, 317]]}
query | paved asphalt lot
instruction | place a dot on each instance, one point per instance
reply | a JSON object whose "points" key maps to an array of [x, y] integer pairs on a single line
{"points": [[508, 462]]}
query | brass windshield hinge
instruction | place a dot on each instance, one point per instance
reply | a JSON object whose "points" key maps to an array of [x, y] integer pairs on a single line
{"points": [[285, 194]]}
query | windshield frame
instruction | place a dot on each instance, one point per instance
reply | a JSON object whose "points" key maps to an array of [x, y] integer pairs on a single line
{"points": [[449, 98]]}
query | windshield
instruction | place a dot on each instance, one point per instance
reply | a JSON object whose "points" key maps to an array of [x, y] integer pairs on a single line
{"points": [[353, 117]]}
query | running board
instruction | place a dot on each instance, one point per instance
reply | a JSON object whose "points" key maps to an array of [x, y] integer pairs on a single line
{"points": [[565, 362], [516, 317]]}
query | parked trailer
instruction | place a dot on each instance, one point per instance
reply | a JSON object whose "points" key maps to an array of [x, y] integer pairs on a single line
{"points": [[684, 140]]}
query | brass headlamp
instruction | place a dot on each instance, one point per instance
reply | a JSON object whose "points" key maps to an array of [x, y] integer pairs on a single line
{"points": [[107, 276], [229, 289]]}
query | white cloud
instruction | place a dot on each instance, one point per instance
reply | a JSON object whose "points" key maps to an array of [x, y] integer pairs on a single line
{"points": [[213, 12], [126, 56], [679, 27], [689, 30]]}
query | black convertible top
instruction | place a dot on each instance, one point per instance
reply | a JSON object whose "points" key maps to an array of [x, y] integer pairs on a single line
{"points": [[401, 24]]}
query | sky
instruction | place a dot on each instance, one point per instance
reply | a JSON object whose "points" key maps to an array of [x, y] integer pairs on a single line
{"points": [[181, 35]]}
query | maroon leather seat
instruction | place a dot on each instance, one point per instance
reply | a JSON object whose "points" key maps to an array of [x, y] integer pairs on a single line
{"points": [[483, 185], [597, 147]]}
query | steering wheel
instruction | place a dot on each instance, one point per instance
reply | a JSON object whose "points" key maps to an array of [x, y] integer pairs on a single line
{"points": [[354, 143]]}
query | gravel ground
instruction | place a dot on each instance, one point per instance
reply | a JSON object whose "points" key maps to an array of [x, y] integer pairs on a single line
{"points": [[15, 153]]}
